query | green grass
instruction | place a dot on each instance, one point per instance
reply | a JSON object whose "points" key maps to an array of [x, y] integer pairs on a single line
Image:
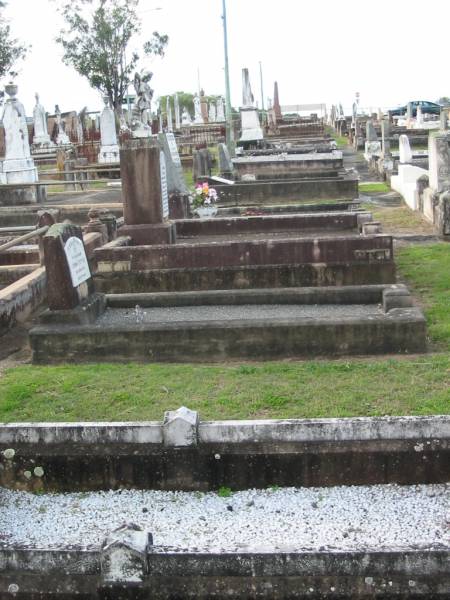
{"points": [[399, 218], [374, 188], [427, 270], [416, 385]]}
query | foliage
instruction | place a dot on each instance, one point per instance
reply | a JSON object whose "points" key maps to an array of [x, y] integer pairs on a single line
{"points": [[224, 492], [97, 44], [11, 50]]}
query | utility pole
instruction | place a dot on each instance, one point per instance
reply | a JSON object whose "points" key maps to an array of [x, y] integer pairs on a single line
{"points": [[262, 87], [228, 113]]}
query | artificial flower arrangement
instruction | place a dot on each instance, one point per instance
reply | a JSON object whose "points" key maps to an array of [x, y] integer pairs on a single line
{"points": [[204, 196]]}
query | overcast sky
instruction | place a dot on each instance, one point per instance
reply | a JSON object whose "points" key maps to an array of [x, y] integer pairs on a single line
{"points": [[390, 51]]}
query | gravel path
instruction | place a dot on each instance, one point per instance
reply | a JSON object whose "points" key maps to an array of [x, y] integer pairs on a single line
{"points": [[347, 518], [272, 312]]}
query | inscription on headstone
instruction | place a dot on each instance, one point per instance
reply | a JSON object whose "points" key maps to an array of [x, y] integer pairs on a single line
{"points": [[164, 192], [77, 261]]}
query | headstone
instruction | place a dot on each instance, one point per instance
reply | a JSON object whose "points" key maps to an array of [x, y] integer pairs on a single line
{"points": [[109, 150], [145, 193], [212, 112], [69, 280], [225, 164], [405, 150], [371, 134], [385, 137], [161, 124], [18, 166], [248, 99], [41, 136], [250, 126], [186, 117], [62, 139], [202, 163], [177, 113], [443, 126], [204, 106], [220, 117], [276, 102], [169, 114], [372, 146], [175, 176], [198, 119], [409, 111], [439, 162], [419, 117]]}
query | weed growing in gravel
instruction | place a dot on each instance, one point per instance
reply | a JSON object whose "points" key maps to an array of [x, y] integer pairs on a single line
{"points": [[224, 492]]}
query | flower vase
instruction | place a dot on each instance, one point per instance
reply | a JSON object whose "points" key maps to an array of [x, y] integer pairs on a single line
{"points": [[206, 212]]}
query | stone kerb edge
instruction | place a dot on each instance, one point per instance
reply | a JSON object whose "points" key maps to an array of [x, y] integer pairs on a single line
{"points": [[245, 431]]}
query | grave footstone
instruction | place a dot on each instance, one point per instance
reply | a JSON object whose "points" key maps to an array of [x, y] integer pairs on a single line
{"points": [[145, 193]]}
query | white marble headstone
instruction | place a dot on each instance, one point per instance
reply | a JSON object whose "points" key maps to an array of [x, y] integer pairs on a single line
{"points": [[77, 261]]}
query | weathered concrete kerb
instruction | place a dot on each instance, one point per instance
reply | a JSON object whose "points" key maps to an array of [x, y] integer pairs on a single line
{"points": [[181, 453], [128, 564]]}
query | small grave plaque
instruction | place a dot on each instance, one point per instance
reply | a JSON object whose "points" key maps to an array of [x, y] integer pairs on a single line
{"points": [[164, 192], [77, 261]]}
